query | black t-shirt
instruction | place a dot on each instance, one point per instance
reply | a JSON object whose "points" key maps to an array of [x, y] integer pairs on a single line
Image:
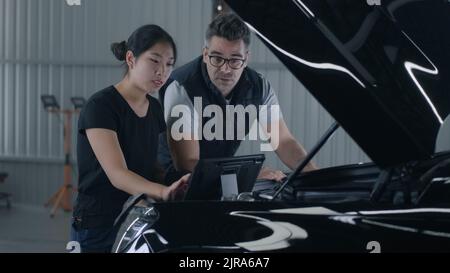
{"points": [[99, 202]]}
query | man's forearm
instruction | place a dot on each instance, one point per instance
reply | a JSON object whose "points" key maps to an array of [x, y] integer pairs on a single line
{"points": [[292, 153]]}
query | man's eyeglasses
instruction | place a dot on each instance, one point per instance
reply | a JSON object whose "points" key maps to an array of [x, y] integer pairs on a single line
{"points": [[233, 63]]}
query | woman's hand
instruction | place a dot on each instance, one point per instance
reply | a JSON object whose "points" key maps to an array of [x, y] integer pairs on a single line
{"points": [[177, 190]]}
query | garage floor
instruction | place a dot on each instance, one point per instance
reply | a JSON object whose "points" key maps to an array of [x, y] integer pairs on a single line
{"points": [[30, 229]]}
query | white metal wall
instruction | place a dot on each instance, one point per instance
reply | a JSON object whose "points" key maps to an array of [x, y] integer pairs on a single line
{"points": [[47, 46]]}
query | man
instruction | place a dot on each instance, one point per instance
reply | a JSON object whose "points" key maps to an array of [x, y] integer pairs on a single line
{"points": [[221, 78]]}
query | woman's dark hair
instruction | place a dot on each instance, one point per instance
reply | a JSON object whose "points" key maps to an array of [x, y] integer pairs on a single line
{"points": [[141, 40], [228, 26]]}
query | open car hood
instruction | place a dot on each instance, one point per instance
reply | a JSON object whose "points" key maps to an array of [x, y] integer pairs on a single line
{"points": [[381, 71]]}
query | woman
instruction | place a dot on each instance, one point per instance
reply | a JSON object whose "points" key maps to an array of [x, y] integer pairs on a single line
{"points": [[117, 139]]}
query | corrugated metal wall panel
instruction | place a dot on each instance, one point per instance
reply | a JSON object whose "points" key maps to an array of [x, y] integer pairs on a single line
{"points": [[31, 182], [2, 114]]}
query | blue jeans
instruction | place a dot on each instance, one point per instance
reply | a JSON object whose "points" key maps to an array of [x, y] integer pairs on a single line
{"points": [[94, 240]]}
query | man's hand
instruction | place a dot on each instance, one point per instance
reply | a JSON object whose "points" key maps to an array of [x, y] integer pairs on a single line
{"points": [[289, 150], [310, 167], [270, 174], [177, 190]]}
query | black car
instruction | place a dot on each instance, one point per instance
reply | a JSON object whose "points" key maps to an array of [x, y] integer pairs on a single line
{"points": [[382, 70]]}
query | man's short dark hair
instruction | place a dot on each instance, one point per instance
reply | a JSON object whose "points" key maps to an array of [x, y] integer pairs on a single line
{"points": [[230, 27]]}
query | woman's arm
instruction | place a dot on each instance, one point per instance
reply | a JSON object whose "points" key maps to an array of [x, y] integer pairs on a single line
{"points": [[107, 149]]}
